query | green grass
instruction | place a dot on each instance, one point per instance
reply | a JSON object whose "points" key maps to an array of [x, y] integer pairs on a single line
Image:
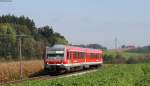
{"points": [[110, 75], [130, 54], [124, 54]]}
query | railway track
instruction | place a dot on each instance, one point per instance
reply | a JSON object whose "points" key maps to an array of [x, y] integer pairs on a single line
{"points": [[51, 77]]}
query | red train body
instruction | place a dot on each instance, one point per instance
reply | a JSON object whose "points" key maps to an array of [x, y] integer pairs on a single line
{"points": [[64, 57]]}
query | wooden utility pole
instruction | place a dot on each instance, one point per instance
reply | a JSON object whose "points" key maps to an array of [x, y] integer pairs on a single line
{"points": [[20, 54], [20, 57]]}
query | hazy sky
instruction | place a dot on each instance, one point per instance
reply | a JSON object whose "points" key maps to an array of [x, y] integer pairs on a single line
{"points": [[89, 21]]}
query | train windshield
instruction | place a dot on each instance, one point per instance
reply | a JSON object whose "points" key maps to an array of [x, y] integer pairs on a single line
{"points": [[55, 54]]}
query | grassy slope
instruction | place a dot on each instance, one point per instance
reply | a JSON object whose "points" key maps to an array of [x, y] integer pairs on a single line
{"points": [[112, 75]]}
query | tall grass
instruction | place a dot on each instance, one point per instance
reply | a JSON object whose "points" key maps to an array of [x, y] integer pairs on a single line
{"points": [[11, 70]]}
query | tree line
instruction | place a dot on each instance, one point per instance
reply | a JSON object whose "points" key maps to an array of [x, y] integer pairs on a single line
{"points": [[92, 46], [144, 49], [33, 44]]}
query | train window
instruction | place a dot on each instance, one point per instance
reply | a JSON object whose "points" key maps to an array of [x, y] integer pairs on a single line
{"points": [[75, 54], [99, 55], [91, 55], [55, 55], [83, 55], [68, 55], [94, 55], [79, 55]]}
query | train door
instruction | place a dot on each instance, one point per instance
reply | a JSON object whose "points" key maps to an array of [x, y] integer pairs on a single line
{"points": [[70, 59]]}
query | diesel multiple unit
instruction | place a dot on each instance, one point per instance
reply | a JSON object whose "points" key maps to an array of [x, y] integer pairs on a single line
{"points": [[66, 58]]}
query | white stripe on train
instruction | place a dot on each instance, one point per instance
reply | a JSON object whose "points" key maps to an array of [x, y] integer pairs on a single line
{"points": [[78, 64]]}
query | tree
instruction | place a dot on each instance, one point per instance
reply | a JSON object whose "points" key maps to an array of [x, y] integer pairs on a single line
{"points": [[123, 46], [38, 38], [51, 36], [46, 31], [96, 46], [7, 40]]}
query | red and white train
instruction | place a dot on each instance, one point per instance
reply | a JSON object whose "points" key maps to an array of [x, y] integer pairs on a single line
{"points": [[66, 58]]}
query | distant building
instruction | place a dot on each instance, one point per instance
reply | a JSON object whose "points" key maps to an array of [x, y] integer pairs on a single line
{"points": [[128, 47]]}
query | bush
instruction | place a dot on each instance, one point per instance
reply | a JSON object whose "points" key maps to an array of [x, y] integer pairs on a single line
{"points": [[142, 59], [123, 57], [114, 59]]}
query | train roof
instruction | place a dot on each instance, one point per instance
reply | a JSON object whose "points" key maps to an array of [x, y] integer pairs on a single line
{"points": [[74, 48], [57, 47]]}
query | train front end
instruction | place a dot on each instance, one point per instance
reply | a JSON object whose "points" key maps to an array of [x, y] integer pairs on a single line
{"points": [[54, 58]]}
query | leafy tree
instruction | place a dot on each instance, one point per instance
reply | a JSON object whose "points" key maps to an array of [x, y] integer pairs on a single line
{"points": [[7, 40], [51, 36], [46, 31], [59, 39], [33, 45], [95, 46]]}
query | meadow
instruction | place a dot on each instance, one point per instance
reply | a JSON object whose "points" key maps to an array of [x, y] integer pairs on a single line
{"points": [[109, 75], [124, 54]]}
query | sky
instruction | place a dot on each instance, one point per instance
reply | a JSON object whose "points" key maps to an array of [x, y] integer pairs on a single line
{"points": [[89, 21]]}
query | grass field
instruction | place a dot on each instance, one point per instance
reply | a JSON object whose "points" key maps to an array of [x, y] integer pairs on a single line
{"points": [[11, 70], [124, 54], [110, 75]]}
